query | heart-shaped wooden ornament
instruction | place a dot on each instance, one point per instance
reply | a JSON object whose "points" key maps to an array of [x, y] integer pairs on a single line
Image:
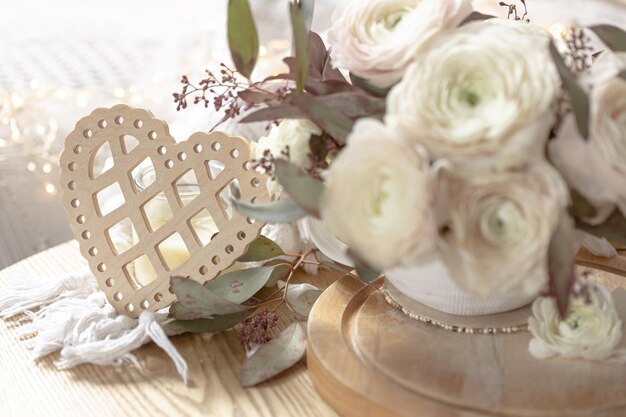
{"points": [[138, 141]]}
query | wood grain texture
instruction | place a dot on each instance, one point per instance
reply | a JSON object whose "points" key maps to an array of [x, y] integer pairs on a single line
{"points": [[30, 389], [369, 359], [170, 162]]}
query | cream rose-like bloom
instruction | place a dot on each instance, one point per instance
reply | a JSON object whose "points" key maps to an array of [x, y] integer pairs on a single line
{"points": [[379, 197], [596, 167], [289, 134], [591, 330], [499, 228], [293, 134], [377, 39], [479, 96]]}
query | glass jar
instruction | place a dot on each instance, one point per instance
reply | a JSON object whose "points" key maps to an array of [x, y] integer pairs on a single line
{"points": [[158, 212]]}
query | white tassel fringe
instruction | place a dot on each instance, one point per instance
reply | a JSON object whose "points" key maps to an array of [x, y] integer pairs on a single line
{"points": [[70, 315]]}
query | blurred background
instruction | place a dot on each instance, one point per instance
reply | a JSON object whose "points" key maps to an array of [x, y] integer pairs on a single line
{"points": [[60, 60]]}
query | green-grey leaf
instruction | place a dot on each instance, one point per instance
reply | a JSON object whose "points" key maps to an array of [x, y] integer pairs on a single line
{"points": [[335, 267], [280, 211], [332, 122], [305, 190], [350, 104], [366, 86], [301, 298], [214, 325], [239, 286], [622, 75], [476, 16], [278, 275], [612, 36], [278, 112], [243, 40], [195, 301], [307, 8], [301, 45], [561, 256], [613, 228], [274, 357], [354, 104], [261, 249], [366, 273], [580, 100]]}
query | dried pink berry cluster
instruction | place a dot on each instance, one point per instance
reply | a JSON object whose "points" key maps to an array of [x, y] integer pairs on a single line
{"points": [[255, 329]]}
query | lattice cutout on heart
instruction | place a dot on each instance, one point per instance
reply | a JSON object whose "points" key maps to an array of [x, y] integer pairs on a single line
{"points": [[133, 135]]}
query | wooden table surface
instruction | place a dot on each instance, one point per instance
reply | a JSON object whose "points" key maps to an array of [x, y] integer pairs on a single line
{"points": [[39, 389]]}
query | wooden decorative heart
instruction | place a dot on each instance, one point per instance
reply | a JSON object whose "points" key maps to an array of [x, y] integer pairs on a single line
{"points": [[136, 140]]}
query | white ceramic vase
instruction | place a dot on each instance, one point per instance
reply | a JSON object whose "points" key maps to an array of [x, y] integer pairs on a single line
{"points": [[429, 284]]}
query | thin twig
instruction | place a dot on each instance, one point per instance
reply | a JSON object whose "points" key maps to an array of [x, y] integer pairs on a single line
{"points": [[291, 274]]}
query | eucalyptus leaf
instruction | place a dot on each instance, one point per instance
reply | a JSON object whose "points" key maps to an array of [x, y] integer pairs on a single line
{"points": [[320, 64], [333, 266], [261, 249], [274, 357], [354, 104], [578, 96], [307, 8], [239, 286], [255, 96], [279, 274], [302, 297], [581, 209], [613, 228], [305, 190], [612, 36], [301, 45], [319, 58], [332, 122], [278, 112], [340, 99], [322, 88], [281, 211], [214, 325], [561, 256], [329, 72], [366, 273], [366, 86], [476, 16], [243, 40], [195, 301]]}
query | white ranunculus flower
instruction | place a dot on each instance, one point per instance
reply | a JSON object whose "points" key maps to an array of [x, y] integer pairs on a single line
{"points": [[596, 167], [591, 330], [500, 227], [480, 96], [292, 134], [377, 39], [379, 198]]}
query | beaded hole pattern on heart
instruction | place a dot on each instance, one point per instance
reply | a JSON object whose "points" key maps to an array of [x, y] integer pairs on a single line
{"points": [[216, 161]]}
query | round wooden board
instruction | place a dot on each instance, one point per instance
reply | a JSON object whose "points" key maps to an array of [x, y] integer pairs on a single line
{"points": [[367, 358]]}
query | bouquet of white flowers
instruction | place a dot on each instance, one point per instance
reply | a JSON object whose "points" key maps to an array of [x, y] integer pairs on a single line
{"points": [[428, 130]]}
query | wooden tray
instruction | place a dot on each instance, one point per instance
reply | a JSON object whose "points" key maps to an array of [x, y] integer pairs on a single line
{"points": [[367, 358]]}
